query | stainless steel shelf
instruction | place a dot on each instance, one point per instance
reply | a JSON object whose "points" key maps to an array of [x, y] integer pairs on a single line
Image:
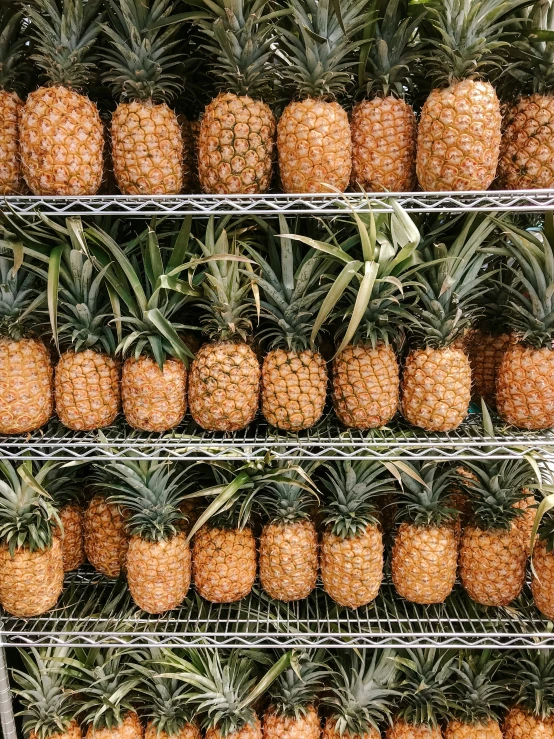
{"points": [[327, 440], [97, 611], [273, 204]]}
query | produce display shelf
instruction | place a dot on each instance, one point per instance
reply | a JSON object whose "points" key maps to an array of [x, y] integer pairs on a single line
{"points": [[276, 203], [327, 440], [95, 611]]}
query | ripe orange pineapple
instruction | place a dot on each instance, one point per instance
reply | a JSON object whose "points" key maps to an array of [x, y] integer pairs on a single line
{"points": [[459, 130], [61, 133], [314, 143], [12, 46], [147, 144], [425, 550], [531, 679], [66, 488], [106, 541]]}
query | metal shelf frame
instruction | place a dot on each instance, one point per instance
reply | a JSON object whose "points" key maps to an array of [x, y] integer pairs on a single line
{"points": [[275, 203]]}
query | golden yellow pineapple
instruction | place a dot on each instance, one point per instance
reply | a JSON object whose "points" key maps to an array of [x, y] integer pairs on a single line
{"points": [[523, 525], [12, 48], [224, 563], [425, 550], [482, 730], [73, 540], [530, 676], [106, 541], [130, 728], [485, 353], [60, 130], [154, 399], [147, 144], [187, 731], [403, 730], [306, 726], [520, 723], [542, 583], [525, 387]]}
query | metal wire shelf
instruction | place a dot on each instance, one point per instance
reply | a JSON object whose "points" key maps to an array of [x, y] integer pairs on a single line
{"points": [[97, 611], [275, 203], [327, 440]]}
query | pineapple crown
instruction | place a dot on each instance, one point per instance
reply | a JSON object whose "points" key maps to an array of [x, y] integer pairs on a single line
{"points": [[361, 692], [150, 491], [499, 484], [146, 282], [225, 685], [290, 283], [19, 299], [387, 63], [425, 496], [239, 39], [531, 680], [27, 513], [423, 685], [65, 485], [65, 32], [12, 48], [288, 502], [142, 58], [544, 524], [533, 53], [297, 687], [450, 281], [473, 693], [530, 309], [315, 53], [495, 300], [465, 38], [351, 488], [48, 706]]}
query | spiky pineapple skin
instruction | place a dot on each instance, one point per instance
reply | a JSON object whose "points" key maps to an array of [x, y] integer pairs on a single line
{"points": [[250, 731], [31, 582], [400, 729], [352, 569], [26, 385], [424, 561], [235, 145], [482, 730], [294, 388], [158, 572], [330, 732], [526, 159], [485, 352], [522, 724], [131, 728], [11, 177], [525, 387], [106, 542], [276, 726], [314, 146], [73, 541], [366, 386], [86, 388], [492, 565], [189, 731], [73, 731], [289, 559], [147, 149], [542, 582], [436, 388], [153, 400], [383, 145], [224, 563], [523, 525], [458, 139], [61, 143], [224, 386]]}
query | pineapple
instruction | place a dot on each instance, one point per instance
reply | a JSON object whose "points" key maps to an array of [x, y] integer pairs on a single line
{"points": [[147, 145], [26, 373], [106, 540], [158, 556], [384, 126], [31, 566], [523, 525], [49, 706], [360, 695], [314, 143], [294, 374], [425, 551], [66, 489], [542, 549], [61, 133], [352, 542], [493, 553], [288, 546], [292, 711], [423, 701], [459, 132], [12, 46], [154, 375], [237, 129], [525, 382], [531, 679], [224, 380], [436, 385], [476, 698], [526, 151]]}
